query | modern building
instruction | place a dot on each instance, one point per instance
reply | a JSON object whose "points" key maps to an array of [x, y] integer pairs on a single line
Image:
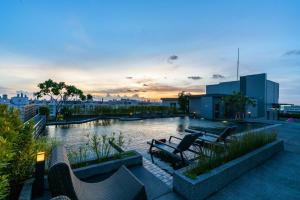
{"points": [[264, 92]]}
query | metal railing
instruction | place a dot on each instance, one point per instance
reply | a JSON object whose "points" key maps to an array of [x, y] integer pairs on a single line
{"points": [[39, 124]]}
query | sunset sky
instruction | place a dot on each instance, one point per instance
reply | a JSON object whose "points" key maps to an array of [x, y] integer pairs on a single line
{"points": [[148, 49]]}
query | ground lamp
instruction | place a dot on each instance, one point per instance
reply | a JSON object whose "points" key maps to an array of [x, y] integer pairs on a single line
{"points": [[39, 173]]}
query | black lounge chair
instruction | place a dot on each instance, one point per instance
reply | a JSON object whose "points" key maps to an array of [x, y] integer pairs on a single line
{"points": [[121, 185], [173, 149], [217, 139]]}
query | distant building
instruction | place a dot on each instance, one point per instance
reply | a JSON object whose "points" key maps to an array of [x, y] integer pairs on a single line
{"points": [[4, 99], [170, 102], [292, 109], [22, 103], [264, 92], [88, 107]]}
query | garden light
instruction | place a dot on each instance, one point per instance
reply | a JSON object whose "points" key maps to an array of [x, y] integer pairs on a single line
{"points": [[39, 173]]}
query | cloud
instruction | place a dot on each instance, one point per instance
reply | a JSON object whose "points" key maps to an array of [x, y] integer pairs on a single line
{"points": [[153, 87], [195, 77], [217, 76], [295, 52], [129, 77], [135, 96], [172, 58], [144, 80]]}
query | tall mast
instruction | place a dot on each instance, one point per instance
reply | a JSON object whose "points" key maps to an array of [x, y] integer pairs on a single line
{"points": [[238, 65]]}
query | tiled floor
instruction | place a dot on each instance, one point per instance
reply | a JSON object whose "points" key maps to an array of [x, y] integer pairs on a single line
{"points": [[159, 173]]}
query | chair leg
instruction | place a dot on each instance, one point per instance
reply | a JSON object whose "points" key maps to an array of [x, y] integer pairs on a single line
{"points": [[152, 158], [151, 154], [182, 158]]}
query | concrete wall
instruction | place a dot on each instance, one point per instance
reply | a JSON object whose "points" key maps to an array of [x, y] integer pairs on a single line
{"points": [[195, 105], [207, 107], [272, 93], [251, 111], [223, 88], [254, 86]]}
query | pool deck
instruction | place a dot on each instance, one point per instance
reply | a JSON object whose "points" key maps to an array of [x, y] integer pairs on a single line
{"points": [[278, 178]]}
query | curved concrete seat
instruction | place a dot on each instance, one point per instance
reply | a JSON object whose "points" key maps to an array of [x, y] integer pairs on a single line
{"points": [[121, 185]]}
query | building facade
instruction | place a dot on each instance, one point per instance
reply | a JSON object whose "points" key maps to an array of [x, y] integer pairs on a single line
{"points": [[263, 92]]}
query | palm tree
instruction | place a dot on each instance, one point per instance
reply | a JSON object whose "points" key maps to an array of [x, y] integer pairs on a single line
{"points": [[236, 103]]}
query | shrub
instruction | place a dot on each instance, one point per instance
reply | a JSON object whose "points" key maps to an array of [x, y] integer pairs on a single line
{"points": [[215, 157], [289, 115], [17, 151], [5, 155], [98, 149], [44, 110]]}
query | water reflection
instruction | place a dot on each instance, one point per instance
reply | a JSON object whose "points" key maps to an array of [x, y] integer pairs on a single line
{"points": [[139, 132]]}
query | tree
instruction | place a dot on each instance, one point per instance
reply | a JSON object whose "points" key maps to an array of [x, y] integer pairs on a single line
{"points": [[89, 97], [183, 101], [59, 93], [236, 103]]}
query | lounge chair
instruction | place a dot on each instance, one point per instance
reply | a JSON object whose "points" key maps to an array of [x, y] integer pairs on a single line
{"points": [[173, 149], [218, 139], [121, 185]]}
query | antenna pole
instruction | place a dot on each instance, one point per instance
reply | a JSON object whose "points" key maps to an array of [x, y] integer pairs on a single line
{"points": [[238, 65]]}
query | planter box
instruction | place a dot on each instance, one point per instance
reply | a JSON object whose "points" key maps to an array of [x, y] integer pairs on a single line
{"points": [[108, 167], [207, 184], [26, 192]]}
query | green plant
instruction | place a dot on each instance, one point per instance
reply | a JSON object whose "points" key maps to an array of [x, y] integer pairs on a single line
{"points": [[214, 156], [183, 100], [17, 150], [44, 110], [99, 146], [289, 115], [5, 156], [78, 154], [59, 117], [235, 105], [20, 139]]}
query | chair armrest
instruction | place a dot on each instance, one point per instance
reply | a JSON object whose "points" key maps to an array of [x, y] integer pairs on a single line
{"points": [[210, 142], [160, 142], [212, 135], [174, 137]]}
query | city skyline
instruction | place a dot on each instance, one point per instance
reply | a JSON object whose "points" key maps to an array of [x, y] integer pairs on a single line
{"points": [[148, 49]]}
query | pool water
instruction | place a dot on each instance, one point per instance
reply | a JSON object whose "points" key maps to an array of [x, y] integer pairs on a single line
{"points": [[136, 133]]}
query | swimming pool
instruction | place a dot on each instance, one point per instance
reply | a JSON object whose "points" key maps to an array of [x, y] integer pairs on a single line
{"points": [[139, 132]]}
